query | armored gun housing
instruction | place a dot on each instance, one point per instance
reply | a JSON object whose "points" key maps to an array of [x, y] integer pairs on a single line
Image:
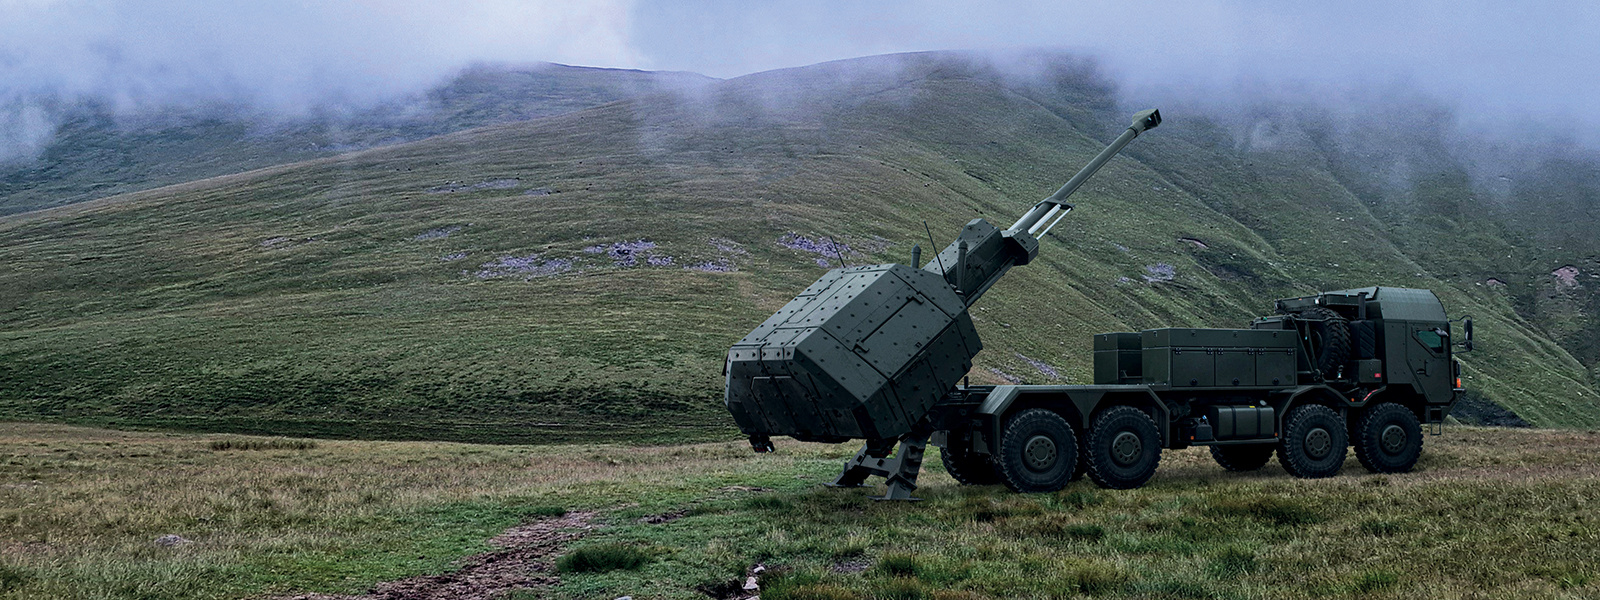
{"points": [[877, 353], [866, 352]]}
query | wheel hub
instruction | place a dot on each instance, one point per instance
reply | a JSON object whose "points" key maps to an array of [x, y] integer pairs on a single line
{"points": [[1126, 448], [1318, 442], [1040, 453], [1393, 439]]}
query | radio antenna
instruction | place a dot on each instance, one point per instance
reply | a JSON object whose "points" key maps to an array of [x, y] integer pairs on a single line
{"points": [[936, 252]]}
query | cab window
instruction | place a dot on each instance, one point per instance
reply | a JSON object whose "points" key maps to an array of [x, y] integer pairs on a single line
{"points": [[1432, 340]]}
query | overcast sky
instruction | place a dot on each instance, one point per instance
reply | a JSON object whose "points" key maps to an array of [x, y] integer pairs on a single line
{"points": [[1494, 60]]}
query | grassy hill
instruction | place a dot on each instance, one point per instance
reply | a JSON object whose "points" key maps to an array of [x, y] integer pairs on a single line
{"points": [[98, 152], [581, 275]]}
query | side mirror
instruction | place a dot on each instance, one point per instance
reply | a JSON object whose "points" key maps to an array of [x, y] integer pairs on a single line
{"points": [[1466, 325]]}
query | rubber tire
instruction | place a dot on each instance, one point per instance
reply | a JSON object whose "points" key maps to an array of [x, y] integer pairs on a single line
{"points": [[1083, 462], [1369, 444], [1335, 347], [968, 468], [1292, 451], [1242, 458], [1104, 469], [1012, 464]]}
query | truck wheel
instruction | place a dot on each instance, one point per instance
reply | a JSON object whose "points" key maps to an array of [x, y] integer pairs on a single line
{"points": [[1123, 448], [968, 467], [1082, 467], [1314, 442], [1388, 439], [1242, 458], [1038, 452], [1332, 343]]}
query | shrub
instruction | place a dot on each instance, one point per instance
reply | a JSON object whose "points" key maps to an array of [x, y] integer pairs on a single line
{"points": [[601, 558]]}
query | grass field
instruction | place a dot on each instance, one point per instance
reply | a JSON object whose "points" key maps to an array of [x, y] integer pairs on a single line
{"points": [[1490, 513]]}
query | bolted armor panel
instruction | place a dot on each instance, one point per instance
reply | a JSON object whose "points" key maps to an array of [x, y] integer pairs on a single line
{"points": [[862, 353]]}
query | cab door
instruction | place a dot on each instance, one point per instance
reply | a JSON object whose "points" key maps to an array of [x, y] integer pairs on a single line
{"points": [[1428, 356]]}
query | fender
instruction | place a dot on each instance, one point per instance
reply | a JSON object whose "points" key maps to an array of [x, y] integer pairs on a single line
{"points": [[1306, 393]]}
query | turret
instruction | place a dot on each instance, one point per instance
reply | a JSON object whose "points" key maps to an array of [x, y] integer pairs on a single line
{"points": [[865, 352]]}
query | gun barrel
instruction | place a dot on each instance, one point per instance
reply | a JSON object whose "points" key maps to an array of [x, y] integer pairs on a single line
{"points": [[1143, 121]]}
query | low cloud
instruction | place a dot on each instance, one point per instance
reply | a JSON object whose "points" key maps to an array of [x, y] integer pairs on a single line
{"points": [[1498, 64], [283, 57]]}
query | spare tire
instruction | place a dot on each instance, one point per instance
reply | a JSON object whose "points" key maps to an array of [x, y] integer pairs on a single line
{"points": [[1330, 341]]}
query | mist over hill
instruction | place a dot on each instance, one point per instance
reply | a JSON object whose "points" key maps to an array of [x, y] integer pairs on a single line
{"points": [[580, 275], [98, 150]]}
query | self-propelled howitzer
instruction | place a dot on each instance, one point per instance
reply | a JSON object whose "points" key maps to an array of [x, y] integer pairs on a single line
{"points": [[866, 352]]}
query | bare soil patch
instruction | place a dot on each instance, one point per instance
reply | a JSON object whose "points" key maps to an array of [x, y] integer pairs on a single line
{"points": [[525, 559], [666, 517]]}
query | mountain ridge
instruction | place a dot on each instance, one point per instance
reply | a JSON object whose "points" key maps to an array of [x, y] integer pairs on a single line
{"points": [[98, 151]]}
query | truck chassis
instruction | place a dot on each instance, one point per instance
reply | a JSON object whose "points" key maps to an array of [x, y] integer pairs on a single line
{"points": [[1379, 399]]}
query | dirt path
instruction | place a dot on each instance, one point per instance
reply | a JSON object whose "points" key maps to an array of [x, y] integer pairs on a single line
{"points": [[524, 559]]}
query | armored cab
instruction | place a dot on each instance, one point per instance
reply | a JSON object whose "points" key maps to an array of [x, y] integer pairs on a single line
{"points": [[866, 352], [1398, 337]]}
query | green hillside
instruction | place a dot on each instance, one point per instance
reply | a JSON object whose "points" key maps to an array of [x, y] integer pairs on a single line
{"points": [[98, 152], [581, 275]]}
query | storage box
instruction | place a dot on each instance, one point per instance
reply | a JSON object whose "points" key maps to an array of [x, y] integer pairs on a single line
{"points": [[1182, 357], [1117, 358]]}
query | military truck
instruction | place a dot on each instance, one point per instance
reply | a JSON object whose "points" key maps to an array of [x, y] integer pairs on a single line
{"points": [[879, 353]]}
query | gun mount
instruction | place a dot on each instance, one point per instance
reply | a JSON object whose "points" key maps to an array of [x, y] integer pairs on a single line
{"points": [[866, 352]]}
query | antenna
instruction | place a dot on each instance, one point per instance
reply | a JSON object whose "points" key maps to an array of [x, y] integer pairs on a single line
{"points": [[837, 251], [933, 245]]}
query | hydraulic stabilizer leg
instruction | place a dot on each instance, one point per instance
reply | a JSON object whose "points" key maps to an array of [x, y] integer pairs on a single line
{"points": [[868, 461], [907, 464], [901, 469]]}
